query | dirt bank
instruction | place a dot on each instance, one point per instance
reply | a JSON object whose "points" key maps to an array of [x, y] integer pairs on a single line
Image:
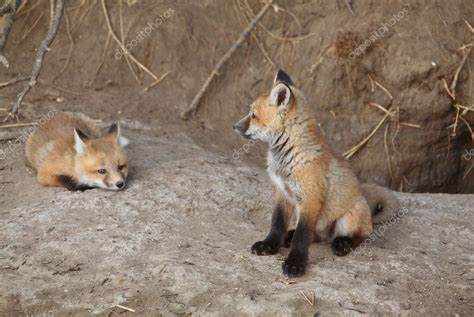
{"points": [[408, 48]]}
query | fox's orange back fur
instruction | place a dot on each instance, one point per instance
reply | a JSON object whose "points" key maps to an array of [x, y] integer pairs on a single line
{"points": [[50, 150]]}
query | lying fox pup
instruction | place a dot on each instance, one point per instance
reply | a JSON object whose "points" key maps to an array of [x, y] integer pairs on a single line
{"points": [[311, 183], [70, 151]]}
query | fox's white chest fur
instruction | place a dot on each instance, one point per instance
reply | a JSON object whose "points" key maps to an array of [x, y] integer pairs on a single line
{"points": [[280, 176]]}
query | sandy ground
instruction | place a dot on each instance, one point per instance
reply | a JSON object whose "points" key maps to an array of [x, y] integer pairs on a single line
{"points": [[177, 240]]}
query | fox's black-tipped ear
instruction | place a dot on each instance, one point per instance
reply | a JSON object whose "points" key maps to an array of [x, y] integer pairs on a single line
{"points": [[282, 77], [280, 95], [81, 134], [113, 128]]}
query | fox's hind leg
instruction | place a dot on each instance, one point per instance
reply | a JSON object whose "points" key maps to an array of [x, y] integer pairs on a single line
{"points": [[351, 229], [46, 178], [281, 217]]}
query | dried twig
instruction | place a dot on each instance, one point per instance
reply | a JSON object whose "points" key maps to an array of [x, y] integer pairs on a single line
{"points": [[82, 15], [468, 127], [122, 39], [71, 48], [372, 85], [458, 70], [17, 125], [387, 152], [264, 51], [44, 47], [469, 26], [126, 308], [30, 29], [466, 109], [384, 89], [349, 6], [287, 281], [23, 5], [14, 81], [319, 59], [450, 93], [248, 10], [156, 82], [462, 48], [455, 122], [248, 16], [349, 153], [215, 72], [412, 125], [311, 302], [373, 104], [102, 58], [468, 171], [124, 49]]}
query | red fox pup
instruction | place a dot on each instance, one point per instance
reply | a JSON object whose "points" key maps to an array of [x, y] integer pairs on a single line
{"points": [[70, 151], [313, 185]]}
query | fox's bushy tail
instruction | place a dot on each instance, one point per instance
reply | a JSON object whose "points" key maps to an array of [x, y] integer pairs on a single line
{"points": [[381, 200]]}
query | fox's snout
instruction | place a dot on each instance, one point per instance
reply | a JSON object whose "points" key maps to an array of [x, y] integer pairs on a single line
{"points": [[118, 185], [242, 126]]}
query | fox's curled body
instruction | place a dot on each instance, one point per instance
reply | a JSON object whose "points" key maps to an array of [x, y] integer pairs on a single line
{"points": [[69, 150]]}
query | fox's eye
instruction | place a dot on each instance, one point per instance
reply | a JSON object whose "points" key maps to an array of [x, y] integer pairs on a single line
{"points": [[102, 171], [121, 167], [253, 116]]}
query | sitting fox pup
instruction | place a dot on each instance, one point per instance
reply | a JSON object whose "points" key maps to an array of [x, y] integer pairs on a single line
{"points": [[311, 183], [70, 151]]}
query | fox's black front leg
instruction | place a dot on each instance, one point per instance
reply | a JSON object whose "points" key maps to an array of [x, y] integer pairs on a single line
{"points": [[280, 218], [275, 237], [71, 183], [295, 263], [289, 238], [297, 260]]}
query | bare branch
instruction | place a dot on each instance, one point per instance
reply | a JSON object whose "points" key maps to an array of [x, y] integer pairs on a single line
{"points": [[44, 47], [7, 15], [14, 81], [215, 72]]}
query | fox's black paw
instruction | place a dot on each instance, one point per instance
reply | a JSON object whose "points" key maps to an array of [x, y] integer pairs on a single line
{"points": [[294, 265], [72, 183], [341, 246], [288, 238], [264, 247]]}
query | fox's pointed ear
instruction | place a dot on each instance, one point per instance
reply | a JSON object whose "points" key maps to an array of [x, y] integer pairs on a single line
{"points": [[79, 141], [115, 131], [282, 77], [280, 95]]}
